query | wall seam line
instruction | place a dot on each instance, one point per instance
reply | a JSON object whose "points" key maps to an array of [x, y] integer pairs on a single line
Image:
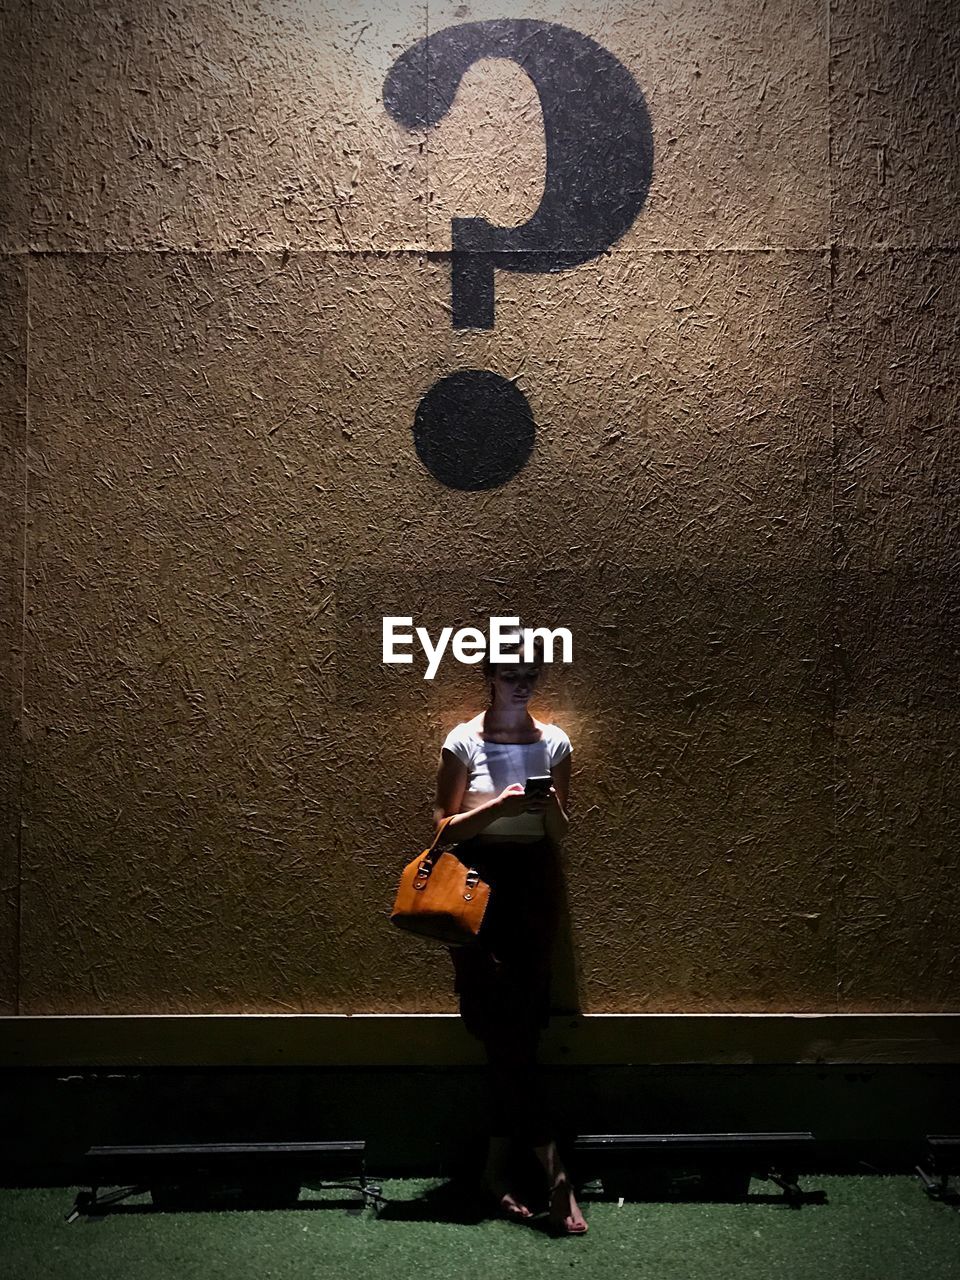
{"points": [[835, 622], [426, 141], [21, 789], [186, 251]]}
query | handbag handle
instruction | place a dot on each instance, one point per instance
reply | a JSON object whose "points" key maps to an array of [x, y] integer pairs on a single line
{"points": [[429, 857]]}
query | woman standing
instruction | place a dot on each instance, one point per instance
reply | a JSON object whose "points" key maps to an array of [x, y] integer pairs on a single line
{"points": [[504, 980]]}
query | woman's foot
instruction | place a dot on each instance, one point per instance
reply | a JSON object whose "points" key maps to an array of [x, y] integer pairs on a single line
{"points": [[496, 1178], [505, 1202], [564, 1217]]}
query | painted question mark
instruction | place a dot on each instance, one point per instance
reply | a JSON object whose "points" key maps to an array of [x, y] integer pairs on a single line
{"points": [[474, 429]]}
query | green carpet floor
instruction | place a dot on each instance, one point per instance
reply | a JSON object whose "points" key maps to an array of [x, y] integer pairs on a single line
{"points": [[868, 1228]]}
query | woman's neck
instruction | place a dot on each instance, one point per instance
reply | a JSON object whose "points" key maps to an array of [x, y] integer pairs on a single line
{"points": [[507, 719]]}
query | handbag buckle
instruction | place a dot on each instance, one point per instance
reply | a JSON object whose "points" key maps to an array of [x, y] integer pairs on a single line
{"points": [[473, 878]]}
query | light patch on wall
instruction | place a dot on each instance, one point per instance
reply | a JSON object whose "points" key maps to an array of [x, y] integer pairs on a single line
{"points": [[487, 156]]}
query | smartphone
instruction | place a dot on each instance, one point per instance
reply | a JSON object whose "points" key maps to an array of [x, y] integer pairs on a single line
{"points": [[538, 786]]}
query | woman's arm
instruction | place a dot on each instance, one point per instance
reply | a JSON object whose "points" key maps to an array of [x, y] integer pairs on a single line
{"points": [[555, 817], [452, 783]]}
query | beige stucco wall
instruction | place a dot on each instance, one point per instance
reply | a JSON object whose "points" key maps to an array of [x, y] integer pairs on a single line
{"points": [[218, 311]]}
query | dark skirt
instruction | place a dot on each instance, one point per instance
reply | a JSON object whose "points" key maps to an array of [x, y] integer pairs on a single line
{"points": [[503, 980]]}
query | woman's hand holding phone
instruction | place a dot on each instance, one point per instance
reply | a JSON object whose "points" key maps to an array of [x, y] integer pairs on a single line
{"points": [[514, 800]]}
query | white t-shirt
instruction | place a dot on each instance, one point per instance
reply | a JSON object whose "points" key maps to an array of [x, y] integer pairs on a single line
{"points": [[491, 766]]}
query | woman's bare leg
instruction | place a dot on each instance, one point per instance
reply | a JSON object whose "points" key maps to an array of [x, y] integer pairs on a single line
{"points": [[564, 1211], [498, 1174], [511, 1067]]}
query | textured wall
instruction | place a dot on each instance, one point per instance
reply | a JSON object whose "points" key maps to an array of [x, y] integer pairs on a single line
{"points": [[223, 291]]}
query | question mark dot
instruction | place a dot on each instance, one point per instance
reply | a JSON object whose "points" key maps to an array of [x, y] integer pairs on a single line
{"points": [[474, 430]]}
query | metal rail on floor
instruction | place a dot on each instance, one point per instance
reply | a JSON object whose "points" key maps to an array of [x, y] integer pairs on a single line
{"points": [[725, 1162], [942, 1160], [220, 1175]]}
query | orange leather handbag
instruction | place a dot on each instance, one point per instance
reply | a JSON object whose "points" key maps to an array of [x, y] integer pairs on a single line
{"points": [[441, 898]]}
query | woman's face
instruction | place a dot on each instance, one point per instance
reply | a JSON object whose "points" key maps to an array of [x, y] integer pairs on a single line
{"points": [[514, 686]]}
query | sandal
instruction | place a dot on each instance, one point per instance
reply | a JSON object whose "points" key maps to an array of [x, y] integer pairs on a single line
{"points": [[558, 1226]]}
